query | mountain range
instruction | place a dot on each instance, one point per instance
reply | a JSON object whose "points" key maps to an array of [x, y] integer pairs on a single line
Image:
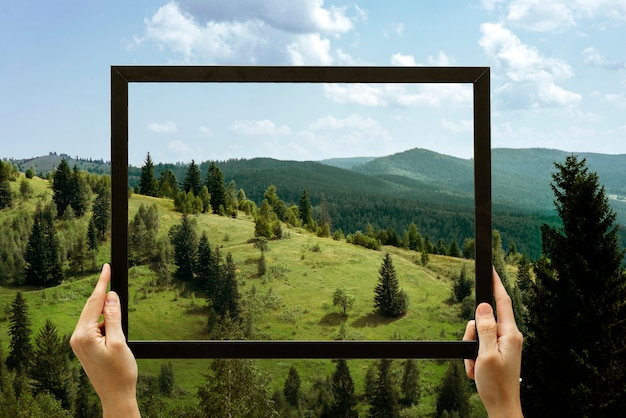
{"points": [[435, 191]]}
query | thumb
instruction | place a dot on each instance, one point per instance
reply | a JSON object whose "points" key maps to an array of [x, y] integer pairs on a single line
{"points": [[487, 328], [112, 314]]}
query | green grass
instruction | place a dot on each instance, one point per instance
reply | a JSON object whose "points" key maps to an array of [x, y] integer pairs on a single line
{"points": [[301, 279]]}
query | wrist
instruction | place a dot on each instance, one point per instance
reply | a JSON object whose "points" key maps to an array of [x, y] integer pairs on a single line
{"points": [[120, 407]]}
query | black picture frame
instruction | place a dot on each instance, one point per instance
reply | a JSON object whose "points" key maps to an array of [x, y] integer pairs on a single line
{"points": [[121, 76]]}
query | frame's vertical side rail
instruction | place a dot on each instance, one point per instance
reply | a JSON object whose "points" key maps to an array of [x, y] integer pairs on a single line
{"points": [[482, 187], [119, 191]]}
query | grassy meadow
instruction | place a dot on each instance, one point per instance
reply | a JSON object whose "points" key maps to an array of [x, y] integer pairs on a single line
{"points": [[296, 292]]}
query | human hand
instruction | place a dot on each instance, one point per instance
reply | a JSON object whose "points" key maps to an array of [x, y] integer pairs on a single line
{"points": [[102, 350], [496, 370]]}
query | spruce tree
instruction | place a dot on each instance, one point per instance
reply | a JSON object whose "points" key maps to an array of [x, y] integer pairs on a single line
{"points": [[291, 388], [204, 269], [454, 392], [389, 299], [462, 286], [183, 238], [148, 184], [102, 213], [6, 195], [217, 191], [61, 186], [20, 349], [227, 293], [384, 402], [344, 399], [410, 386], [43, 264], [574, 357], [305, 211], [192, 182], [50, 369], [79, 192], [168, 184]]}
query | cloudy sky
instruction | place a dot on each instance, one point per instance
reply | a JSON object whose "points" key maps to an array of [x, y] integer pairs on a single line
{"points": [[558, 73]]}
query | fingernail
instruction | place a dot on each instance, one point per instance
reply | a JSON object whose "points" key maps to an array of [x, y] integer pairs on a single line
{"points": [[111, 299], [484, 309]]}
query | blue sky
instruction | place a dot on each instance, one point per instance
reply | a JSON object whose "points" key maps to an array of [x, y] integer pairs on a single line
{"points": [[558, 76]]}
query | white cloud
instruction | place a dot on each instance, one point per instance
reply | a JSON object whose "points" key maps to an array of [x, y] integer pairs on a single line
{"points": [[429, 95], [162, 128], [592, 56], [402, 60], [618, 100], [309, 49], [559, 15], [258, 127], [461, 126], [178, 146], [530, 77], [441, 60], [540, 15], [247, 31]]}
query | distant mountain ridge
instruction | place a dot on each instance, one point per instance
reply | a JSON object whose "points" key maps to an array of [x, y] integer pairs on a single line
{"points": [[433, 190]]}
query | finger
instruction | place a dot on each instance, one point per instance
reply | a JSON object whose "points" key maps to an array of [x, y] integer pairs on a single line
{"points": [[113, 319], [93, 307], [487, 329], [470, 331], [470, 367], [504, 305]]}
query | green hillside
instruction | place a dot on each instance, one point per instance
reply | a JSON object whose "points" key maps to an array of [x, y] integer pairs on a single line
{"points": [[292, 301]]}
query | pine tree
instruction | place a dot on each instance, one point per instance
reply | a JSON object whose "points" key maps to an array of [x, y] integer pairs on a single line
{"points": [[79, 192], [215, 184], [574, 358], [20, 349], [43, 264], [168, 184], [227, 293], [183, 238], [61, 187], [50, 369], [389, 299], [344, 399], [305, 211], [148, 184], [462, 286], [384, 402], [192, 182], [6, 195], [102, 213], [204, 270], [454, 393], [291, 388], [415, 239], [410, 383]]}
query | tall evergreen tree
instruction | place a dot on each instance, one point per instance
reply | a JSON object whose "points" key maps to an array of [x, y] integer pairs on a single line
{"points": [[20, 348], [574, 357], [291, 388], [148, 184], [454, 392], [193, 182], [50, 370], [227, 292], [344, 399], [6, 195], [415, 239], [305, 211], [61, 186], [79, 192], [384, 402], [215, 184], [410, 386], [462, 286], [43, 264], [184, 240], [205, 272], [102, 213], [389, 299], [168, 184]]}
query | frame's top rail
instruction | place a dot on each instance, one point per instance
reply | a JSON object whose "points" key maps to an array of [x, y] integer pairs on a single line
{"points": [[290, 74]]}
